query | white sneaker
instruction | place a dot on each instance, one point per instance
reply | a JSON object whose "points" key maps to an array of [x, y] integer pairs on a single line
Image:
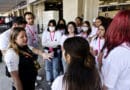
{"points": [[39, 78], [49, 83], [36, 84], [40, 89]]}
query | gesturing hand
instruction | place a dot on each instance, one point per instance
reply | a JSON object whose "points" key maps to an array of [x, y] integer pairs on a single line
{"points": [[47, 55]]}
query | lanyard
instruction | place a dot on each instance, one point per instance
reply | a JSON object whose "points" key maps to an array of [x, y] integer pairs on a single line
{"points": [[33, 34], [52, 35], [99, 44]]}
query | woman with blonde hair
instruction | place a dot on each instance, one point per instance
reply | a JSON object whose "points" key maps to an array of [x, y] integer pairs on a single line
{"points": [[21, 61]]}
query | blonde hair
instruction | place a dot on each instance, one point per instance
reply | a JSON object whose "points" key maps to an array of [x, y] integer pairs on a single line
{"points": [[15, 32]]}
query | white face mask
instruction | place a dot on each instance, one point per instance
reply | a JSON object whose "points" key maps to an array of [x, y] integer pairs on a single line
{"points": [[85, 29], [51, 28]]}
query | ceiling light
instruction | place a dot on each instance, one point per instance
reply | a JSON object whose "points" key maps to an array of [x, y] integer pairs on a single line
{"points": [[113, 3], [127, 1]]}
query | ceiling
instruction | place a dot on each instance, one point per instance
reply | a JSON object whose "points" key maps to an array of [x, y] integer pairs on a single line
{"points": [[6, 5]]}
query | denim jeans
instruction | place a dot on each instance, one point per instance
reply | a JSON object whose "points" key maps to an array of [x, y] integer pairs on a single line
{"points": [[65, 65], [52, 69]]}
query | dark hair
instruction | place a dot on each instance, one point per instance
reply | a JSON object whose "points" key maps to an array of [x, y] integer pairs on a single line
{"points": [[81, 73], [29, 13], [81, 19], [89, 27], [105, 23], [19, 20], [101, 18], [59, 26], [118, 31], [75, 28], [53, 21]]}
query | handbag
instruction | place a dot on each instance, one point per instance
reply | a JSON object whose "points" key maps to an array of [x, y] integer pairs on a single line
{"points": [[36, 65]]}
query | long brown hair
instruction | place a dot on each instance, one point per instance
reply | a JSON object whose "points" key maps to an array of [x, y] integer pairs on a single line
{"points": [[81, 73], [15, 32]]}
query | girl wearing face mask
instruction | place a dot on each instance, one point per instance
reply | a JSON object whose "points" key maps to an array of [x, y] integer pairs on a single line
{"points": [[86, 29], [51, 43], [61, 26]]}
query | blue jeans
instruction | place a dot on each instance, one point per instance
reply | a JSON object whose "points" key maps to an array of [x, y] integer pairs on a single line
{"points": [[52, 69], [65, 65]]}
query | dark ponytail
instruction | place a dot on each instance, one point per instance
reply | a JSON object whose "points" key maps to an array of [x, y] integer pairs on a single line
{"points": [[89, 62], [81, 73]]}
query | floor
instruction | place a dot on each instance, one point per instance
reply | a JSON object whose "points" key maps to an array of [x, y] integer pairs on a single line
{"points": [[6, 83]]}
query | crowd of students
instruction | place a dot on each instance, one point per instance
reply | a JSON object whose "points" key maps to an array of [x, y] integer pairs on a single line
{"points": [[77, 56]]}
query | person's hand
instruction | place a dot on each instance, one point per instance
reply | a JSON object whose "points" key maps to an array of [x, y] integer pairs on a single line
{"points": [[47, 56], [100, 56], [95, 52]]}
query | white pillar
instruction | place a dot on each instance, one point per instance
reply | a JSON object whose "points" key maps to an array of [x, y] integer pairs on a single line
{"points": [[70, 9], [81, 8], [90, 9], [18, 12], [86, 8]]}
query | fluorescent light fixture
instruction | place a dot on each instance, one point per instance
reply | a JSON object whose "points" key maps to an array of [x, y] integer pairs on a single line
{"points": [[127, 1], [113, 3]]}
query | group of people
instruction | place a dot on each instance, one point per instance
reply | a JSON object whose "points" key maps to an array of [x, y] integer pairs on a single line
{"points": [[19, 50], [89, 58], [101, 64]]}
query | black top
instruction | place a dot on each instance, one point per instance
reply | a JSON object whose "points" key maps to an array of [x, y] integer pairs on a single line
{"points": [[27, 69]]}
